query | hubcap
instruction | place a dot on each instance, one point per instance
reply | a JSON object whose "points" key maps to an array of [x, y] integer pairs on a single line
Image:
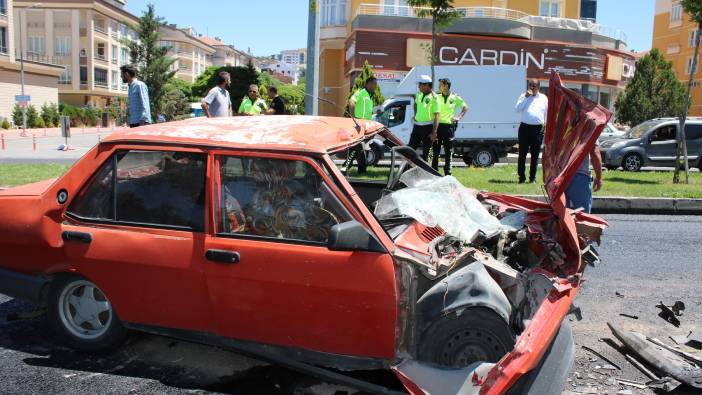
{"points": [[84, 310], [633, 162], [483, 159]]}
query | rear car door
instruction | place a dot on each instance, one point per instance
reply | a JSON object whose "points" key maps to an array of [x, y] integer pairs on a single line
{"points": [[660, 150], [693, 138], [136, 230], [278, 283]]}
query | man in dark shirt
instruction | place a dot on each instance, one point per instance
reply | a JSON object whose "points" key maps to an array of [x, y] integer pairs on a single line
{"points": [[277, 103]]}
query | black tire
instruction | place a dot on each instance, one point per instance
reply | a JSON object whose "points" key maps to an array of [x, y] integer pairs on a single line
{"points": [[632, 162], [111, 334], [374, 155], [484, 157], [459, 339], [467, 159]]}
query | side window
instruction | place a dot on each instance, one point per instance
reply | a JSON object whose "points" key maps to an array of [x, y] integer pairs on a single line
{"points": [[148, 187], [664, 133], [693, 132], [275, 198], [393, 116]]}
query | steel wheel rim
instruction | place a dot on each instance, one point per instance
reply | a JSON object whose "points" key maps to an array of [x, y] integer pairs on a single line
{"points": [[84, 310], [633, 162], [483, 158], [475, 345], [370, 156]]}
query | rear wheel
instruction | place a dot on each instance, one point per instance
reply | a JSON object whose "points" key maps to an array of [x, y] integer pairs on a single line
{"points": [[484, 157], [374, 155], [632, 162], [460, 339], [82, 316]]}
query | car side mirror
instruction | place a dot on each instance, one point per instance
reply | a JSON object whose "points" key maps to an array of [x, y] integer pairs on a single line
{"points": [[352, 236]]}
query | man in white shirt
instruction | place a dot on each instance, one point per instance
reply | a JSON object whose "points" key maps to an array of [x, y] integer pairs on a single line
{"points": [[533, 106]]}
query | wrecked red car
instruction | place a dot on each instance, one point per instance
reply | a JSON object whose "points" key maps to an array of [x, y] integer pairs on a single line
{"points": [[242, 233]]}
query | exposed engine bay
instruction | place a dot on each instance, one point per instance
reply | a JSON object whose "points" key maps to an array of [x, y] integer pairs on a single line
{"points": [[462, 253]]}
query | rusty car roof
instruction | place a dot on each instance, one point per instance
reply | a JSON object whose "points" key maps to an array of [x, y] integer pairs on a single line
{"points": [[281, 133]]}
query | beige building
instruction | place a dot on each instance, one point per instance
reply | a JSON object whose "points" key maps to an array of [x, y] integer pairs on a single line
{"points": [[226, 54], [86, 37], [41, 78], [293, 56], [192, 55]]}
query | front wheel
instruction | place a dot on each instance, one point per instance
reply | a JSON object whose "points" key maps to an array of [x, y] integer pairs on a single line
{"points": [[459, 339], [632, 162], [374, 155], [82, 316], [484, 157]]}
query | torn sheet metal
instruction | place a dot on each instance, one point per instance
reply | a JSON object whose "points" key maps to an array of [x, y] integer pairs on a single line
{"points": [[438, 202], [660, 358], [424, 379]]}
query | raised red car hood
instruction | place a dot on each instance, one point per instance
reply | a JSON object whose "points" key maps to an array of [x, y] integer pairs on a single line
{"points": [[573, 125]]}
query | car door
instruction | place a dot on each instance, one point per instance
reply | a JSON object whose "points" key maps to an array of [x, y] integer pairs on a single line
{"points": [[137, 231], [660, 150], [272, 278], [693, 138], [398, 117]]}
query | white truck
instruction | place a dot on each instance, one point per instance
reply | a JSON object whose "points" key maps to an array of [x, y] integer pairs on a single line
{"points": [[489, 129]]}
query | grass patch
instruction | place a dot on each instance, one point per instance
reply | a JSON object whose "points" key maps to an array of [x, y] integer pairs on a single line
{"points": [[501, 179], [20, 174]]}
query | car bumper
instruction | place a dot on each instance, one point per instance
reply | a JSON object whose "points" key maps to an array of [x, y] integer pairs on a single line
{"points": [[21, 286], [612, 158]]}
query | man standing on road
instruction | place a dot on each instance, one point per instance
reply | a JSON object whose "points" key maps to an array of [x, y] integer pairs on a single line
{"points": [[252, 104], [533, 106], [277, 103], [581, 187], [426, 117], [218, 103], [361, 106], [448, 104], [137, 97]]}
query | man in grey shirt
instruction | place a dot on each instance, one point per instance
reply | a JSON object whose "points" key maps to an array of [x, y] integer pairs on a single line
{"points": [[218, 103]]}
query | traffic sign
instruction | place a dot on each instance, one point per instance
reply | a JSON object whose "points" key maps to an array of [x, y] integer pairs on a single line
{"points": [[23, 98]]}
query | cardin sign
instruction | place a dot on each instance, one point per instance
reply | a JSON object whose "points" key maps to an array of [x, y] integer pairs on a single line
{"points": [[402, 51]]}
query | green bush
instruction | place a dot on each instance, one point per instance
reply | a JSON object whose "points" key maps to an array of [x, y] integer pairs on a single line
{"points": [[32, 116], [17, 115], [5, 124], [39, 124], [242, 77], [90, 116], [73, 113], [50, 115]]}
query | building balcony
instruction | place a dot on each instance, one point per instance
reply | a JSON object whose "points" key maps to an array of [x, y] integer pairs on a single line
{"points": [[100, 29], [3, 50], [101, 84], [62, 25], [492, 21], [39, 58], [65, 82], [101, 58]]}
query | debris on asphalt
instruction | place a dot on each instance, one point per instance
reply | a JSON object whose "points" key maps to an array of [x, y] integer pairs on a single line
{"points": [[695, 339], [668, 314], [618, 294], [634, 317], [641, 367], [678, 307], [625, 392], [667, 384], [659, 357], [683, 354], [679, 339], [601, 356], [632, 383]]}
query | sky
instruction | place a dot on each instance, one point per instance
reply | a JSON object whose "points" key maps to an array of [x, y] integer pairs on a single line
{"points": [[269, 26]]}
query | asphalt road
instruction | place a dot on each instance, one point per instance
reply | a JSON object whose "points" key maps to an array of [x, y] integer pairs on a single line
{"points": [[646, 259]]}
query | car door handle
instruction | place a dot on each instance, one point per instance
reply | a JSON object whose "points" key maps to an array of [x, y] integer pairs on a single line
{"points": [[81, 237], [223, 256]]}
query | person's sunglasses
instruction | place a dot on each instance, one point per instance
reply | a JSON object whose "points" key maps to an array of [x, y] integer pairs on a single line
{"points": [[253, 91]]}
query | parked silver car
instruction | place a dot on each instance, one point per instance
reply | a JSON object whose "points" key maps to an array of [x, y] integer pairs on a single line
{"points": [[653, 143], [610, 132]]}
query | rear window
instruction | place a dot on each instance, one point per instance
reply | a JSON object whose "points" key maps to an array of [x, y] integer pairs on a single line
{"points": [[693, 132], [156, 188]]}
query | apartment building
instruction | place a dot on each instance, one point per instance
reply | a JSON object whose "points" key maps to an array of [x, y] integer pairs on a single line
{"points": [[674, 36], [226, 54], [87, 38], [293, 56], [41, 77], [541, 35], [192, 55]]}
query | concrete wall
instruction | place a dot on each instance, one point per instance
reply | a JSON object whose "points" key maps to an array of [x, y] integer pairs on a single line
{"points": [[42, 88]]}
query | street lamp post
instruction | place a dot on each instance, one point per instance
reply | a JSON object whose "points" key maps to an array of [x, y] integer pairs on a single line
{"points": [[24, 108]]}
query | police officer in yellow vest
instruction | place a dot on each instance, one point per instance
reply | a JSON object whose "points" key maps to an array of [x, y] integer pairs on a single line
{"points": [[361, 106], [426, 117], [252, 104], [448, 104]]}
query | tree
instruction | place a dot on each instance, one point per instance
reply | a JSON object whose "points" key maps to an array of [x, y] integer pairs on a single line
{"points": [[693, 8], [242, 77], [360, 82], [653, 92], [32, 115], [151, 58], [17, 115], [176, 105], [442, 14], [50, 115]]}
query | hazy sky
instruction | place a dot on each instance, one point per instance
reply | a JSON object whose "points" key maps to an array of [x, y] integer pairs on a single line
{"points": [[269, 26]]}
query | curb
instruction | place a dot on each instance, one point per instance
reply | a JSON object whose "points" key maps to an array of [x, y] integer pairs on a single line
{"points": [[634, 205]]}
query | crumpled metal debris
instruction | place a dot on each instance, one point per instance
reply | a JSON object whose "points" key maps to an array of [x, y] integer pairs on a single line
{"points": [[439, 201], [670, 314]]}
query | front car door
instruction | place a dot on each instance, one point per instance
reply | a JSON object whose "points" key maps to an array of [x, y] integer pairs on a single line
{"points": [[660, 150], [136, 230], [283, 286]]}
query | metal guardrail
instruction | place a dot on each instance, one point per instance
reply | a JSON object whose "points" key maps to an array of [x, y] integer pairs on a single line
{"points": [[481, 12]]}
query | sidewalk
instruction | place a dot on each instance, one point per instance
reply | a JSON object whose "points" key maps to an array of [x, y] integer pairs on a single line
{"points": [[635, 205]]}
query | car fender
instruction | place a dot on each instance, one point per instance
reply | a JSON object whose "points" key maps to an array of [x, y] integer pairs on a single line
{"points": [[470, 286], [637, 149]]}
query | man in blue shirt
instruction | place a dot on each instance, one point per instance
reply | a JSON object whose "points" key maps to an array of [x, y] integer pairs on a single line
{"points": [[137, 97]]}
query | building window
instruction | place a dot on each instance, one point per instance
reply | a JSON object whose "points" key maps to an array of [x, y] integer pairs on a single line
{"points": [[36, 45], [550, 8], [692, 37], [83, 75], [676, 12], [688, 68], [124, 58], [63, 46], [3, 7], [395, 8], [66, 77], [333, 12], [3, 40], [115, 79], [100, 51], [101, 77], [115, 54]]}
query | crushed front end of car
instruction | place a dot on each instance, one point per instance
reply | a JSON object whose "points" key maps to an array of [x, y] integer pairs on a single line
{"points": [[486, 279]]}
